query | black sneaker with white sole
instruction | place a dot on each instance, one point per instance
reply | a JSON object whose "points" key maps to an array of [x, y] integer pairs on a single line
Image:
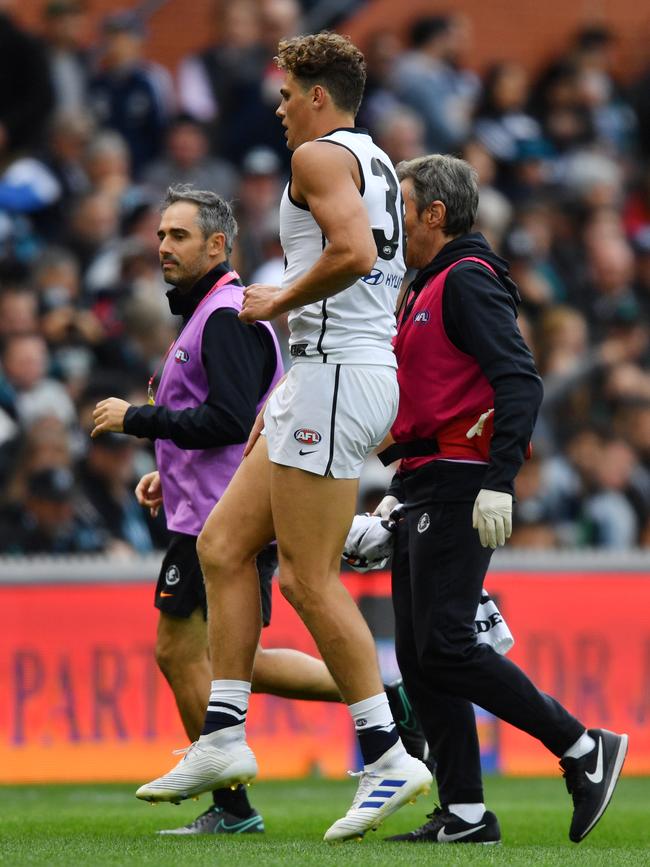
{"points": [[216, 820], [591, 780], [445, 827], [408, 725]]}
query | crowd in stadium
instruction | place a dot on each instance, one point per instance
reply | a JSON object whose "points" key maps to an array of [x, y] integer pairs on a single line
{"points": [[90, 138]]}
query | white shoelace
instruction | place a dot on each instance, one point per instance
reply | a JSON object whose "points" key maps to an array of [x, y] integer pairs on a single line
{"points": [[366, 785], [185, 751]]}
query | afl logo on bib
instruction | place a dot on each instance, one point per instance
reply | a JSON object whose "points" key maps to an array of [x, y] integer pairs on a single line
{"points": [[172, 575], [181, 356], [421, 316], [423, 523], [307, 436]]}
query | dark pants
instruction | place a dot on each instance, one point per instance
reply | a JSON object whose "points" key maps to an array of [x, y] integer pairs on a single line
{"points": [[438, 571]]}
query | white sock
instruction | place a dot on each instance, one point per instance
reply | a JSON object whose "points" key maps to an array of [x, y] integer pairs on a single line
{"points": [[472, 813], [372, 713], [585, 744]]}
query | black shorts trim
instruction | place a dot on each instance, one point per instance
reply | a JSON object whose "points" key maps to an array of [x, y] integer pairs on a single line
{"points": [[333, 420]]}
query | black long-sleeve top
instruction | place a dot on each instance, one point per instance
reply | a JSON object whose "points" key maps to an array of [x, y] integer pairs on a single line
{"points": [[239, 361], [479, 313]]}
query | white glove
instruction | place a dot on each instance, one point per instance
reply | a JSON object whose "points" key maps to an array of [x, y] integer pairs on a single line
{"points": [[477, 429], [369, 544], [492, 517], [386, 507]]}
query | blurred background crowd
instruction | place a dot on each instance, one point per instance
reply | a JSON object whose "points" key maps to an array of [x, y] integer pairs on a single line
{"points": [[91, 135]]}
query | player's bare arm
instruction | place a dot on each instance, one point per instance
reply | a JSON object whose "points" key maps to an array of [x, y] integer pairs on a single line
{"points": [[326, 178]]}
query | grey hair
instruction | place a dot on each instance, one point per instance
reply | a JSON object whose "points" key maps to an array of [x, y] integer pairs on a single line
{"points": [[214, 213], [439, 177], [107, 142]]}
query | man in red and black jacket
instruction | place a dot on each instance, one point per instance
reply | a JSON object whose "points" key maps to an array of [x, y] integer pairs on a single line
{"points": [[469, 396]]}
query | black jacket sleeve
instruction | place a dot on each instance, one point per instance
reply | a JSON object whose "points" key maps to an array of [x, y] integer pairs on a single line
{"points": [[239, 361], [479, 316]]}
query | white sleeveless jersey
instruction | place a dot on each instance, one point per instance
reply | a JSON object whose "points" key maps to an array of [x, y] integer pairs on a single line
{"points": [[357, 325]]}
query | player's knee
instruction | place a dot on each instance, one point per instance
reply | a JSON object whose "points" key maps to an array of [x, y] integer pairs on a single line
{"points": [[211, 551], [174, 656], [166, 656], [298, 591]]}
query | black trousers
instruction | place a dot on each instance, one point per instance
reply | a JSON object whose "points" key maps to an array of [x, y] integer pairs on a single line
{"points": [[438, 571]]}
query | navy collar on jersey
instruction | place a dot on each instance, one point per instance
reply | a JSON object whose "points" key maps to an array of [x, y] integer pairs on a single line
{"points": [[184, 304]]}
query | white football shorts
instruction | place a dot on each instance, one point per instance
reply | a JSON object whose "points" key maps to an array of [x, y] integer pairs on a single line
{"points": [[327, 418]]}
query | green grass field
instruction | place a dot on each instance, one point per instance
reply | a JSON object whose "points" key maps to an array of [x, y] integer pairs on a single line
{"points": [[104, 824]]}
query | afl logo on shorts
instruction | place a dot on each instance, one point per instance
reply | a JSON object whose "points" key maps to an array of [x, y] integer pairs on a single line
{"points": [[421, 316], [307, 437], [424, 523], [172, 575], [181, 356]]}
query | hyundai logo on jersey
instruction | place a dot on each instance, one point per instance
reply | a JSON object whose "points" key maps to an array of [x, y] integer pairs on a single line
{"points": [[305, 435], [374, 278], [421, 316], [181, 356]]}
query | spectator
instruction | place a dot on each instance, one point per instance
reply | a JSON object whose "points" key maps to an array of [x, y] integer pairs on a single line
{"points": [[557, 104], [24, 361], [256, 206], [431, 80], [26, 95], [532, 520], [502, 122], [610, 294], [64, 23], [18, 311], [186, 160], [108, 477], [93, 237], [641, 245], [69, 134], [609, 511], [46, 444], [129, 94], [52, 520], [613, 119], [223, 81], [29, 187], [382, 52], [107, 164], [400, 133], [636, 212]]}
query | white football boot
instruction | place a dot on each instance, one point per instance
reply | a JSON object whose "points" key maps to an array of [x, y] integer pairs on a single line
{"points": [[204, 767], [392, 782]]}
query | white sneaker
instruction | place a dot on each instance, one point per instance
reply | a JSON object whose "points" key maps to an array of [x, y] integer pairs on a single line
{"points": [[382, 791], [204, 767]]}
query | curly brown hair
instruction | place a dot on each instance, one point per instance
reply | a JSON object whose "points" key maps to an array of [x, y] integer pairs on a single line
{"points": [[329, 60]]}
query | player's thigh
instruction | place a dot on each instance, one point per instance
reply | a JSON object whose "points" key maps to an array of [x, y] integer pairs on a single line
{"points": [[312, 516], [240, 524], [181, 639]]}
